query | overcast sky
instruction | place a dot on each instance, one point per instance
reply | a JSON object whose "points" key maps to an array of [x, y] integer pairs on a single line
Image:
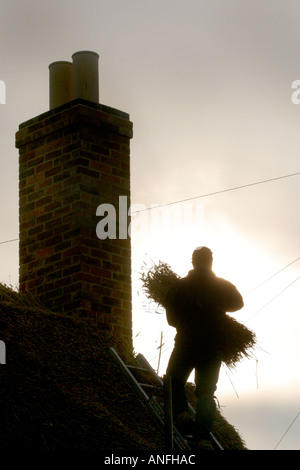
{"points": [[207, 85]]}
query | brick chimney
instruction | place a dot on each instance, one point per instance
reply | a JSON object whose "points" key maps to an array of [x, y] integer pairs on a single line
{"points": [[72, 159]]}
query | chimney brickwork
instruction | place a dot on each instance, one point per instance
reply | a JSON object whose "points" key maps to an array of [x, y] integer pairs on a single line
{"points": [[72, 159]]}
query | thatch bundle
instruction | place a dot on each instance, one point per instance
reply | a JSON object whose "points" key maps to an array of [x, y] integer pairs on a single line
{"points": [[237, 339]]}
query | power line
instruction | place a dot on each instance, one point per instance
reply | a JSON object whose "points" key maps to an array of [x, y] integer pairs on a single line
{"points": [[217, 192], [8, 241], [273, 298], [287, 430], [273, 275], [200, 196]]}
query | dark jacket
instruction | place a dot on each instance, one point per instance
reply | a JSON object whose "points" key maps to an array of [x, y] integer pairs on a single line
{"points": [[196, 305]]}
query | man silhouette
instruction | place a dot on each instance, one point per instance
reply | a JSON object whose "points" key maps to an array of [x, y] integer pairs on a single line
{"points": [[196, 307]]}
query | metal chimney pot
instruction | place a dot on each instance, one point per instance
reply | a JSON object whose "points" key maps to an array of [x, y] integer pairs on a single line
{"points": [[85, 76], [61, 83]]}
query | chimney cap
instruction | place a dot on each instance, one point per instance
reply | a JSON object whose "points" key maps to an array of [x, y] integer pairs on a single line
{"points": [[65, 62], [85, 52]]}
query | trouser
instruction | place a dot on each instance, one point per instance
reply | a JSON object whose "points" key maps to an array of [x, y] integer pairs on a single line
{"points": [[185, 358]]}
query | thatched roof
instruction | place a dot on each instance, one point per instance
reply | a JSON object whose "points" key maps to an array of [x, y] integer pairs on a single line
{"points": [[60, 389]]}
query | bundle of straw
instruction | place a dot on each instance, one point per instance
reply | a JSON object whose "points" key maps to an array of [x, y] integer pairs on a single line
{"points": [[236, 338]]}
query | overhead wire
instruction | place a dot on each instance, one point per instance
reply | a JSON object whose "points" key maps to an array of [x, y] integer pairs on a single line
{"points": [[287, 430], [267, 280], [273, 298], [235, 188], [9, 241], [275, 274]]}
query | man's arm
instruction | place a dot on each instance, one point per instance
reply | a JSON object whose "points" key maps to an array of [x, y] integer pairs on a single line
{"points": [[227, 297]]}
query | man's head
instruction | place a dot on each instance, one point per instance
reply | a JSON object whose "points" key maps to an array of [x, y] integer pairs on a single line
{"points": [[202, 256]]}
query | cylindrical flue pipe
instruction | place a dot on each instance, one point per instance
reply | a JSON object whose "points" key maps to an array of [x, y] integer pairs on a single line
{"points": [[85, 76], [61, 83]]}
